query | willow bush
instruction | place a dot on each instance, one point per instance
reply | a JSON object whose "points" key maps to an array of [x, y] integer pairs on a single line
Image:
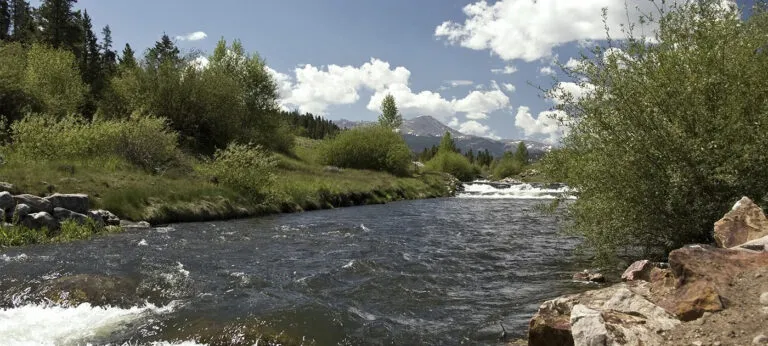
{"points": [[673, 132]]}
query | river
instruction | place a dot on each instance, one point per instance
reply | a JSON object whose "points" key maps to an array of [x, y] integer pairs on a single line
{"points": [[428, 272]]}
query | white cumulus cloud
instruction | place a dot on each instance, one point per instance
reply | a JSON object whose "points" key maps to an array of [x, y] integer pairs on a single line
{"points": [[509, 69], [530, 30], [509, 87], [475, 128], [314, 89], [546, 123], [194, 36], [547, 71]]}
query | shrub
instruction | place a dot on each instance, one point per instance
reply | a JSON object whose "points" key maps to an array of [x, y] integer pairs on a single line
{"points": [[507, 167], [369, 147], [142, 141], [454, 163], [52, 76], [672, 133], [246, 168]]}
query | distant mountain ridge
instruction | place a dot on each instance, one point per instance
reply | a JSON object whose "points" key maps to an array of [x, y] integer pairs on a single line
{"points": [[426, 131]]}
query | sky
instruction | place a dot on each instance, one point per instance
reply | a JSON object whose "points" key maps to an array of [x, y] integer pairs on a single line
{"points": [[475, 65]]}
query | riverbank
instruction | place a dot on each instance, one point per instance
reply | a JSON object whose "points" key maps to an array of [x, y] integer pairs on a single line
{"points": [[184, 196]]}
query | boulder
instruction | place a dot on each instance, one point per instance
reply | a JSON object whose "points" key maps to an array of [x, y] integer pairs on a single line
{"points": [[759, 245], [640, 270], [7, 187], [6, 200], [745, 222], [97, 218], [62, 215], [19, 212], [38, 204], [106, 216], [618, 314], [79, 203], [41, 220]]}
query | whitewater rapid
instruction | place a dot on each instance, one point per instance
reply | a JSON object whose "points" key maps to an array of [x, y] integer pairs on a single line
{"points": [[488, 190]]}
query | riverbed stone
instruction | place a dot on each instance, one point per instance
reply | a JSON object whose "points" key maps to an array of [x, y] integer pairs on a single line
{"points": [[19, 212], [38, 204], [107, 217], [78, 203], [98, 290], [745, 222], [41, 220], [62, 215], [6, 200], [640, 270]]}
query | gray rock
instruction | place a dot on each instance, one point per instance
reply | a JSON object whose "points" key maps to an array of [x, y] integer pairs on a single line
{"points": [[96, 217], [78, 203], [37, 204], [41, 220], [760, 340], [7, 187], [107, 216], [62, 215], [764, 298], [588, 327], [6, 200], [20, 211]]}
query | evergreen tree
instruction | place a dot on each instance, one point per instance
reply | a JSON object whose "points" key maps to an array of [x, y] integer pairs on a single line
{"points": [[470, 156], [447, 144], [90, 58], [5, 20], [61, 26], [390, 116], [128, 58], [24, 29], [108, 56], [164, 51], [521, 154]]}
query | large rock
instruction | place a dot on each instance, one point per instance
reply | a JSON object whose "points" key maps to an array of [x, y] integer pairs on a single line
{"points": [[758, 245], [745, 222], [19, 212], [62, 215], [79, 203], [41, 220], [640, 270], [6, 200], [106, 216], [38, 204], [619, 314]]}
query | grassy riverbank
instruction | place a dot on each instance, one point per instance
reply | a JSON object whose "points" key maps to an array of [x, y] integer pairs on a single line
{"points": [[301, 184]]}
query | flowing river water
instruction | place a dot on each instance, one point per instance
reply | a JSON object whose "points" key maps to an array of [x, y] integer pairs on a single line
{"points": [[428, 272]]}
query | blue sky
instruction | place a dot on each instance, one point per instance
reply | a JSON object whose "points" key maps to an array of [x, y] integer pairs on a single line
{"points": [[339, 57]]}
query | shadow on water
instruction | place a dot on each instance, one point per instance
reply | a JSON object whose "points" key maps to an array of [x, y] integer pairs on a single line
{"points": [[444, 271]]}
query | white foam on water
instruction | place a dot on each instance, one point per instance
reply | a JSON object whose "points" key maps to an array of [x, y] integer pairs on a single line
{"points": [[514, 191], [349, 265], [365, 229], [17, 258], [143, 242], [37, 324]]}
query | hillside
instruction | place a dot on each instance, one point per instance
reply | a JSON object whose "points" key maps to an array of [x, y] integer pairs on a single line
{"points": [[426, 131]]}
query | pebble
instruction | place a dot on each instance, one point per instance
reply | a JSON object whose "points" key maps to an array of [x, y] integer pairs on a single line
{"points": [[697, 343], [760, 340], [764, 298]]}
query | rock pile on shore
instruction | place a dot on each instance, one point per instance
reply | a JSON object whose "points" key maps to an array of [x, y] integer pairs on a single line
{"points": [[659, 304], [49, 212]]}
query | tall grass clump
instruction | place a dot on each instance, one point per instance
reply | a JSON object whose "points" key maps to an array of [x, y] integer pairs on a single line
{"points": [[369, 147], [670, 132]]}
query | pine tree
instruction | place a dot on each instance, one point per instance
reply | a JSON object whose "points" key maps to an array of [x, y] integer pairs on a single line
{"points": [[390, 116], [164, 51], [61, 27], [5, 20], [108, 56], [24, 28], [471, 156], [521, 154], [447, 144], [128, 58]]}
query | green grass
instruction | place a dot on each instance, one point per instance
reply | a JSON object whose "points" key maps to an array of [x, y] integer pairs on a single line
{"points": [[181, 196]]}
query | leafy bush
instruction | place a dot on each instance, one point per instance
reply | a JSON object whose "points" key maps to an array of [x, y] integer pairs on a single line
{"points": [[369, 147], [143, 141], [507, 167], [52, 76], [672, 133], [246, 168], [454, 163]]}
